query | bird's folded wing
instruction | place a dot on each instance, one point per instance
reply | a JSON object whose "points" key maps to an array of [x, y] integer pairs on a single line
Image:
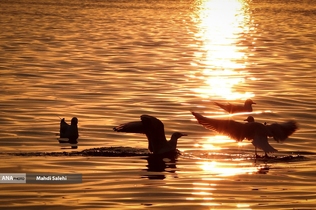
{"points": [[261, 142], [131, 127], [231, 128], [282, 131]]}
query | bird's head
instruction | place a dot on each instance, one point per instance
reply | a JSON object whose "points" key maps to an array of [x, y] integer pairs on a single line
{"points": [[74, 121], [249, 102], [174, 139], [250, 119], [177, 135]]}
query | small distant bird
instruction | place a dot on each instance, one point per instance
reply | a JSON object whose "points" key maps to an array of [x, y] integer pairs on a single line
{"points": [[250, 119], [69, 131], [257, 132], [154, 130], [233, 108]]}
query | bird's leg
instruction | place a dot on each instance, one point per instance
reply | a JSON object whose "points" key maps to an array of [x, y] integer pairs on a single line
{"points": [[256, 153]]}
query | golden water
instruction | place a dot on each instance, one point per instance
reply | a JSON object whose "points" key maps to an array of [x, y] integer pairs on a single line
{"points": [[108, 62]]}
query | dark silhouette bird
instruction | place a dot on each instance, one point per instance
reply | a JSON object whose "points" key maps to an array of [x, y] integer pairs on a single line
{"points": [[154, 130], [69, 131], [233, 108], [257, 132], [250, 119]]}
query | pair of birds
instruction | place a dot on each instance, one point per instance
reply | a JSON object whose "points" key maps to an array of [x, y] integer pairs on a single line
{"points": [[69, 132], [259, 133]]}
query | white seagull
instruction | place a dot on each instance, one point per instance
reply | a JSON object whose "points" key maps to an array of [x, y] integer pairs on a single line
{"points": [[236, 108], [251, 130], [154, 130]]}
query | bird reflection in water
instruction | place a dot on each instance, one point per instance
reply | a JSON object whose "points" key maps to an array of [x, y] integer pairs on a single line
{"points": [[160, 164], [264, 169]]}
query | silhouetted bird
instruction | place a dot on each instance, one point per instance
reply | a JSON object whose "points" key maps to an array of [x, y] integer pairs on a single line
{"points": [[69, 131], [232, 108], [154, 130], [251, 130], [250, 119]]}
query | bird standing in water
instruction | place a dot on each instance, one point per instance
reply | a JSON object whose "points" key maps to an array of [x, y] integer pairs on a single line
{"points": [[257, 132], [154, 130], [69, 131], [233, 108]]}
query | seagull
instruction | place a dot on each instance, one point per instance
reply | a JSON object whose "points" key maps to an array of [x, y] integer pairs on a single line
{"points": [[250, 119], [257, 132], [233, 108], [154, 130], [69, 131]]}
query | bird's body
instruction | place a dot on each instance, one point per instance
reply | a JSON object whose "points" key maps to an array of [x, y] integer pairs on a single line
{"points": [[153, 128], [236, 108], [257, 132], [69, 131]]}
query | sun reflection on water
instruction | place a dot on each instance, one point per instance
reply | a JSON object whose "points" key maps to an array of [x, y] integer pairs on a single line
{"points": [[216, 143], [223, 169], [216, 171], [221, 26]]}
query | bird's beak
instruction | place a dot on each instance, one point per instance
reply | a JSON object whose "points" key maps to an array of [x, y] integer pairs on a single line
{"points": [[184, 134], [246, 119], [254, 103]]}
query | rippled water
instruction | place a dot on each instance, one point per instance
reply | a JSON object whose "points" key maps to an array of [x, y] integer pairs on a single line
{"points": [[108, 62]]}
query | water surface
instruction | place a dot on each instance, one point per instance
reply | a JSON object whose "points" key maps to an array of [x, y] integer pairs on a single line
{"points": [[108, 62]]}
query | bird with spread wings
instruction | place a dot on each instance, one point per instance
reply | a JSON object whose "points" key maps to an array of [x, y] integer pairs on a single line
{"points": [[153, 128], [257, 132]]}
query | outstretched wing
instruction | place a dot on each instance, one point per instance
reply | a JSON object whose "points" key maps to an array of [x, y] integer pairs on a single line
{"points": [[131, 127], [282, 131], [231, 128], [261, 142], [154, 130]]}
